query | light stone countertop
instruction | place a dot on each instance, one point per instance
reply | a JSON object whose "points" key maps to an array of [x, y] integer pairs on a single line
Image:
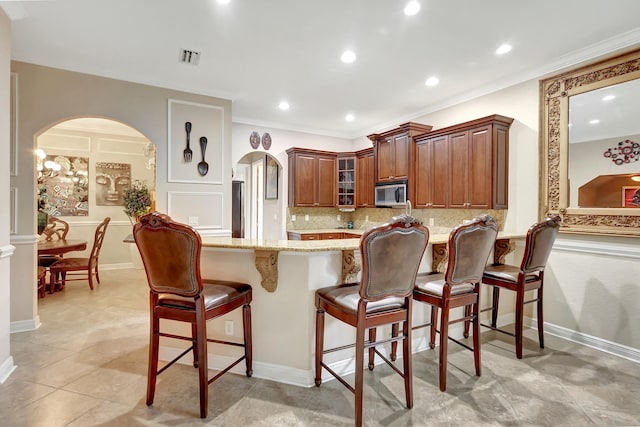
{"points": [[313, 245], [328, 230]]}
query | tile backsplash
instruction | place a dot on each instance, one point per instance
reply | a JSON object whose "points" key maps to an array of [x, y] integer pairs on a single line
{"points": [[364, 218]]}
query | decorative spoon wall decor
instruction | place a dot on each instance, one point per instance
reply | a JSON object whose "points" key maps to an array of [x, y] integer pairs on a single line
{"points": [[203, 166]]}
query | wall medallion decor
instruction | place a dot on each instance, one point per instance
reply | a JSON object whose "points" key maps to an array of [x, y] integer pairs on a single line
{"points": [[625, 152], [266, 141], [254, 140]]}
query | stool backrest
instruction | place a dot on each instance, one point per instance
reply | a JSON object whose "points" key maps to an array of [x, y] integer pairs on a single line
{"points": [[391, 255], [538, 245], [170, 253], [469, 247], [98, 239]]}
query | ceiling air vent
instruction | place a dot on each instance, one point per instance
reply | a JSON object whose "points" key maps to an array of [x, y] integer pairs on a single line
{"points": [[189, 56]]}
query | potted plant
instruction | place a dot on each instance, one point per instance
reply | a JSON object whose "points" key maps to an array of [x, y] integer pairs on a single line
{"points": [[137, 200]]}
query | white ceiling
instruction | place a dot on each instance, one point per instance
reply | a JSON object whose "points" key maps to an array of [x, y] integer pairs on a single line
{"points": [[259, 52]]}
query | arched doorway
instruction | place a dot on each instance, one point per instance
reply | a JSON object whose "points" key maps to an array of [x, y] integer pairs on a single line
{"points": [[83, 167], [258, 198]]}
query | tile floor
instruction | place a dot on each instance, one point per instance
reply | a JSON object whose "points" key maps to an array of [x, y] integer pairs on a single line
{"points": [[86, 366]]}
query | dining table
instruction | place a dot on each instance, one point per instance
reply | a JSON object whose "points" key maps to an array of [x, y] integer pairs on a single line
{"points": [[59, 247]]}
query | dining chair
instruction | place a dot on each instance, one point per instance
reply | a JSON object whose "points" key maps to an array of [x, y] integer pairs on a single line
{"points": [[84, 268], [528, 276], [56, 229], [468, 249], [170, 253], [391, 255]]}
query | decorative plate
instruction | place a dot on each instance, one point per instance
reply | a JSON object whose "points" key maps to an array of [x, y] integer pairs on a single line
{"points": [[254, 140], [266, 140]]}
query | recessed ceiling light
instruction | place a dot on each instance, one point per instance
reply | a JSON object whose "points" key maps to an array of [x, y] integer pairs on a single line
{"points": [[348, 57], [432, 81], [594, 122], [609, 97], [223, 1], [412, 8], [505, 48], [349, 117], [636, 178], [284, 105]]}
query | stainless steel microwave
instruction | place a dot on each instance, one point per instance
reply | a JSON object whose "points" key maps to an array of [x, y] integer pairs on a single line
{"points": [[391, 194]]}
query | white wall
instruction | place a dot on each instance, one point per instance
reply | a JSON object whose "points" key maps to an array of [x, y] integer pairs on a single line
{"points": [[6, 361], [48, 96]]}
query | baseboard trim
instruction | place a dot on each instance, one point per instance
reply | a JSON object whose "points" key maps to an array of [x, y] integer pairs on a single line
{"points": [[587, 340], [6, 369], [25, 325]]}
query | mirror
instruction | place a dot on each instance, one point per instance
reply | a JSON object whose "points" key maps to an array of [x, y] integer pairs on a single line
{"points": [[604, 146], [589, 167]]}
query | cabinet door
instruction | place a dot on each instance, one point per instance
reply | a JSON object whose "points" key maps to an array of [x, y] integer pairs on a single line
{"points": [[385, 157], [305, 180], [400, 157], [326, 182], [458, 169], [365, 182], [423, 175], [439, 166], [480, 172]]}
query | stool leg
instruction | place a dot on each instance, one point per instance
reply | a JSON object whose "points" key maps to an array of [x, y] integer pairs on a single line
{"points": [[319, 345], [359, 380], [248, 344], [540, 318], [394, 345], [372, 350], [519, 321], [154, 344], [434, 326], [444, 341], [494, 306]]}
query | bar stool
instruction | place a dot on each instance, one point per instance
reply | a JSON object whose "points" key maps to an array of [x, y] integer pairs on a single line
{"points": [[526, 277], [391, 255], [170, 252], [469, 247]]}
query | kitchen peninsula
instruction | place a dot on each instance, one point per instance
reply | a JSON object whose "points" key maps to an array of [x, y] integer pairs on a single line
{"points": [[284, 275]]}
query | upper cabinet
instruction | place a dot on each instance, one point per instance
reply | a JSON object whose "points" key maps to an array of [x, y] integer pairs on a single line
{"points": [[464, 166], [312, 178], [365, 178], [431, 176], [393, 151], [346, 180]]}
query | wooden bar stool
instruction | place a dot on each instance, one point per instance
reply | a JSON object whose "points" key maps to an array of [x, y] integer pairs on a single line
{"points": [[528, 276], [459, 286], [170, 252], [391, 255]]}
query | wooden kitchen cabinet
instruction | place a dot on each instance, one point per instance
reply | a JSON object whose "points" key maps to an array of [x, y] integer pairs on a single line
{"points": [[431, 177], [393, 152], [298, 235], [472, 170], [365, 178], [312, 178]]}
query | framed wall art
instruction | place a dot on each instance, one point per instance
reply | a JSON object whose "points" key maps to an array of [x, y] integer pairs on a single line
{"points": [[630, 197], [270, 178], [195, 143]]}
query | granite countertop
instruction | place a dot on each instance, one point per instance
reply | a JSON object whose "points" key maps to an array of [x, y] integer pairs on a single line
{"points": [[313, 245], [329, 230]]}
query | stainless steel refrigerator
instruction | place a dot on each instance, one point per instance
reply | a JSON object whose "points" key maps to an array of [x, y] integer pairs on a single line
{"points": [[237, 209]]}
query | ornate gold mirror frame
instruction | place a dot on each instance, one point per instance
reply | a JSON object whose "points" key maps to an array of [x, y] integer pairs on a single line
{"points": [[554, 140]]}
